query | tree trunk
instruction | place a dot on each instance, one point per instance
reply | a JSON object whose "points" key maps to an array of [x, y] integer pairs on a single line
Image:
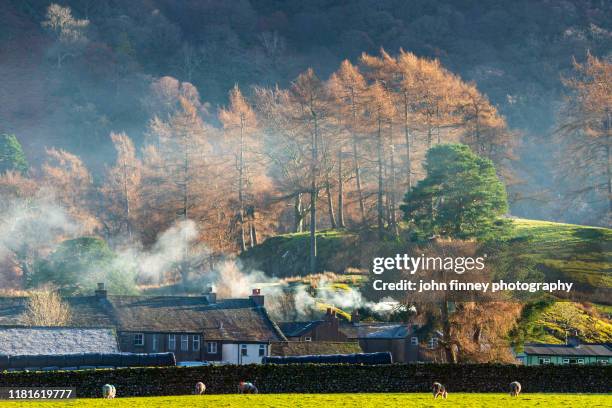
{"points": [[313, 198], [128, 222], [379, 199], [184, 267], [392, 193], [240, 187], [330, 205], [298, 215], [356, 159], [340, 192], [408, 145]]}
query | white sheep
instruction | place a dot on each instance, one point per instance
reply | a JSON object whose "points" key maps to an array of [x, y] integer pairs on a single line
{"points": [[108, 391], [439, 390], [200, 388], [515, 388]]}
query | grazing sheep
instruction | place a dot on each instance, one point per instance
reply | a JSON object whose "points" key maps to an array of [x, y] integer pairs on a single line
{"points": [[108, 391], [247, 388], [439, 390], [200, 388], [515, 388]]}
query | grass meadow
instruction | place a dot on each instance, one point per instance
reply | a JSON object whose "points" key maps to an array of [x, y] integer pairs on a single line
{"points": [[458, 400]]}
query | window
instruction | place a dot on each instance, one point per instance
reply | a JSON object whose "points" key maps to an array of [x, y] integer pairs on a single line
{"points": [[154, 342], [243, 350], [603, 361], [581, 361], [433, 343], [172, 342], [139, 339], [543, 361], [262, 350], [184, 342], [414, 341], [196, 343], [307, 338], [566, 361], [211, 347]]}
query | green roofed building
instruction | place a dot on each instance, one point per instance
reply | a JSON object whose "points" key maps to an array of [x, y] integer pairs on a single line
{"points": [[565, 354]]}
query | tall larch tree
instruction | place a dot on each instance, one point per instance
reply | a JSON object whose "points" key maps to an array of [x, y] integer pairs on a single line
{"points": [[240, 124]]}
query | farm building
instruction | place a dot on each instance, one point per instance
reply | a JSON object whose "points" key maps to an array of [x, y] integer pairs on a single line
{"points": [[565, 354], [398, 339], [194, 328]]}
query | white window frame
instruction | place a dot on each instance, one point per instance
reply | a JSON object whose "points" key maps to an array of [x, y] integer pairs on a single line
{"points": [[545, 360], [580, 361], [139, 339], [211, 347], [244, 350], [262, 350], [414, 341], [172, 342], [602, 361], [196, 342], [154, 342], [184, 342], [566, 361], [307, 338]]}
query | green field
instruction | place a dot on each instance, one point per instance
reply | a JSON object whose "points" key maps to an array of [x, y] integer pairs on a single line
{"points": [[338, 400], [575, 252]]}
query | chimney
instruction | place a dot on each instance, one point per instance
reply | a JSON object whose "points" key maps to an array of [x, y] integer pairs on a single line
{"points": [[257, 297], [355, 316], [210, 295], [573, 341], [101, 291]]}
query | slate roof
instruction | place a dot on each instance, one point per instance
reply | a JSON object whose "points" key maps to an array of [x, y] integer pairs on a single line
{"points": [[86, 311], [56, 340], [564, 350], [227, 319], [302, 348], [296, 329], [375, 330]]}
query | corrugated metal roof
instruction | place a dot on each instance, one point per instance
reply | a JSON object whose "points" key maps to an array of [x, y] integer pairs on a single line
{"points": [[565, 350], [56, 340]]}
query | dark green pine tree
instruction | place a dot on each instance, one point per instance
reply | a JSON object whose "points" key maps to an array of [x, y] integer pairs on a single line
{"points": [[11, 155], [460, 197]]}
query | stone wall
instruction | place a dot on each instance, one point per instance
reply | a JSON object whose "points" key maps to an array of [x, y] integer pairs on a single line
{"points": [[311, 378]]}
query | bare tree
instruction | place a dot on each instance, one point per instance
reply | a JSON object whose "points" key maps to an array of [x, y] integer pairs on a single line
{"points": [[46, 308], [68, 31]]}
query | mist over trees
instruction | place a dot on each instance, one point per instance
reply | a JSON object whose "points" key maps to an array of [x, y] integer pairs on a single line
{"points": [[244, 120], [83, 68]]}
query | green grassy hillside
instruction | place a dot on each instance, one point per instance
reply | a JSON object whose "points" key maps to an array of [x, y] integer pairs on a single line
{"points": [[576, 253], [546, 321]]}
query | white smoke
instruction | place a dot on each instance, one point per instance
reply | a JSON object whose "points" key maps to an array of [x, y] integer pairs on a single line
{"points": [[174, 246]]}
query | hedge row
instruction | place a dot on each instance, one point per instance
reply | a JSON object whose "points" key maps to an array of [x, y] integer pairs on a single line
{"points": [[331, 378]]}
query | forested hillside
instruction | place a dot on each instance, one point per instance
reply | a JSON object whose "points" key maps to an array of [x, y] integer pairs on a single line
{"points": [[151, 139], [69, 89]]}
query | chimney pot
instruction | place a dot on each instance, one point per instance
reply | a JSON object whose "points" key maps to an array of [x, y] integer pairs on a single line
{"points": [[210, 295], [101, 291], [257, 297]]}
